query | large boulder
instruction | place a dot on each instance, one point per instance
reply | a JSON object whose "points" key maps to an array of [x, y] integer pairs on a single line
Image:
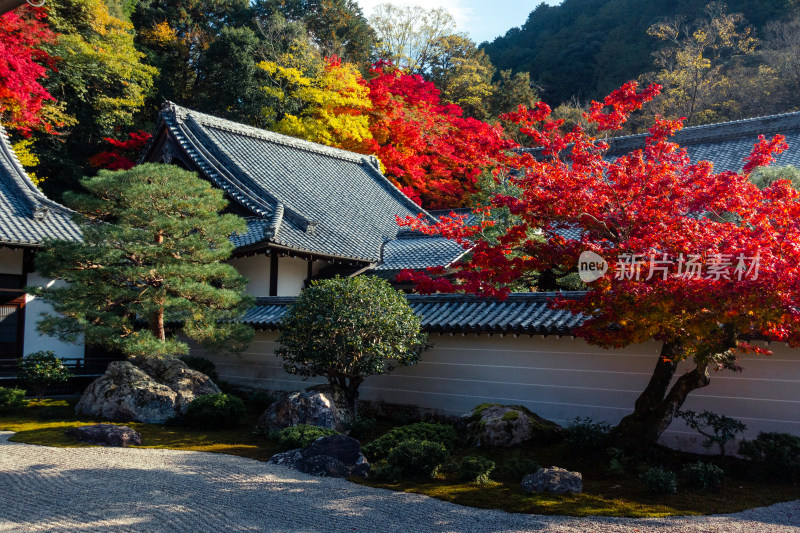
{"points": [[555, 480], [333, 456], [106, 434], [147, 390], [507, 425], [188, 384], [322, 406]]}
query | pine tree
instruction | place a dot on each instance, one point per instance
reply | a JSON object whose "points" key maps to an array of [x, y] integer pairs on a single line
{"points": [[151, 263]]}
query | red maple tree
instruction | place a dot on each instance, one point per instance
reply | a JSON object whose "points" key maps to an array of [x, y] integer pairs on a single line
{"points": [[23, 64], [123, 155], [699, 260], [428, 148]]}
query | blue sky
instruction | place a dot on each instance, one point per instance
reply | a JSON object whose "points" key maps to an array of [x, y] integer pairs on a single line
{"points": [[483, 20]]}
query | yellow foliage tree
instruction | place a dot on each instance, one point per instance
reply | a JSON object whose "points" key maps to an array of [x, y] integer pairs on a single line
{"points": [[696, 62], [27, 158], [324, 105]]}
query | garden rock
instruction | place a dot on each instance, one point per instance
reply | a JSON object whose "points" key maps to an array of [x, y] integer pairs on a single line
{"points": [[188, 384], [144, 390], [106, 434], [555, 480], [333, 456], [506, 425], [321, 406]]}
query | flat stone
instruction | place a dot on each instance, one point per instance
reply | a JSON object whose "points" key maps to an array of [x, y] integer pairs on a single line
{"points": [[106, 434], [555, 480], [332, 456]]}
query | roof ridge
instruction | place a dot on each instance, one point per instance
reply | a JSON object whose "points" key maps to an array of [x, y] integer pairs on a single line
{"points": [[259, 133], [718, 130]]}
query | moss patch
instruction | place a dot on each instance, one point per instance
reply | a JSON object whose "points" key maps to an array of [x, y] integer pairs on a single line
{"points": [[510, 416], [236, 441]]}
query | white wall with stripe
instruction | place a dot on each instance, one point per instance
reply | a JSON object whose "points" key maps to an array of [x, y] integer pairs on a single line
{"points": [[559, 378]]}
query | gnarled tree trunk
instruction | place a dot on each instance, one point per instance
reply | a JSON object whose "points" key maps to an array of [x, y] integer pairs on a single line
{"points": [[657, 405]]}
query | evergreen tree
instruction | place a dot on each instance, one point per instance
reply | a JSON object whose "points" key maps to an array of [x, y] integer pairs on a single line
{"points": [[152, 257]]}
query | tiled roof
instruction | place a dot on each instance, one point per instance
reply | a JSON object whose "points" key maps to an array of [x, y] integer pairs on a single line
{"points": [[28, 217], [527, 313], [417, 251], [726, 144], [303, 196]]}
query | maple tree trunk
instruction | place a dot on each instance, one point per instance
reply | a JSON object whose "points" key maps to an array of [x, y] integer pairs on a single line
{"points": [[656, 406]]}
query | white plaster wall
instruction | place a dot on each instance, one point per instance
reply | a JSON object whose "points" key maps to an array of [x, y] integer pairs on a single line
{"points": [[292, 272], [558, 378], [33, 340], [10, 261], [256, 269]]}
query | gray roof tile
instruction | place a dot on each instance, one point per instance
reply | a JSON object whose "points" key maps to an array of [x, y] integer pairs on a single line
{"points": [[527, 313], [20, 199], [417, 251]]}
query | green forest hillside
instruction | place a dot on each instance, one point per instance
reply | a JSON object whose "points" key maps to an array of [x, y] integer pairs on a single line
{"points": [[587, 48]]}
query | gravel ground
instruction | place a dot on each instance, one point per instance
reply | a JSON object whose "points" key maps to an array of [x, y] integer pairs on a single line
{"points": [[113, 489]]}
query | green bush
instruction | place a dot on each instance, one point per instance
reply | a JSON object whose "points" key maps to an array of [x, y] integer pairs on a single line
{"points": [[475, 469], [300, 436], [39, 370], [517, 468], [778, 454], [215, 411], [382, 446], [717, 429], [660, 481], [586, 437], [202, 365], [702, 475], [11, 400], [414, 459], [259, 400], [361, 426]]}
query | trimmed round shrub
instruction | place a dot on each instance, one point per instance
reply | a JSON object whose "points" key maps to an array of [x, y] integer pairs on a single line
{"points": [[39, 370], [215, 411], [475, 469], [11, 400], [300, 436], [413, 459], [383, 445], [202, 365], [776, 454], [660, 481], [702, 475]]}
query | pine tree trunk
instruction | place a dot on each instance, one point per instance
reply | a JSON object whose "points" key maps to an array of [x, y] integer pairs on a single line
{"points": [[656, 406], [157, 324]]}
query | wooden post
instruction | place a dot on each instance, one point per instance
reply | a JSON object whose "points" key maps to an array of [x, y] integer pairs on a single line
{"points": [[273, 272]]}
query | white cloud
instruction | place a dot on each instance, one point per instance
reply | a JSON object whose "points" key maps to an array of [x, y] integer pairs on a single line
{"points": [[461, 13]]}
